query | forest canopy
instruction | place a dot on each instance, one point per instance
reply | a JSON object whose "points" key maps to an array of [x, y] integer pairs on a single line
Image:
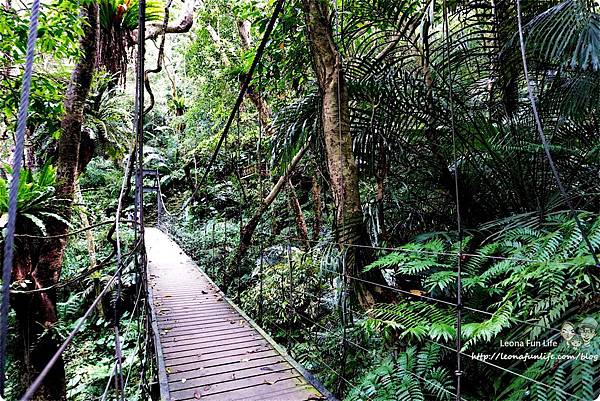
{"points": [[403, 194]]}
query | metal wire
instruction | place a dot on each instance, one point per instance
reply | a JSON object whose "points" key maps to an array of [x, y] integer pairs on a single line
{"points": [[133, 313], [257, 57], [544, 140], [459, 306], [441, 301], [320, 360], [529, 379], [425, 252], [40, 378], [116, 317], [360, 347], [14, 187]]}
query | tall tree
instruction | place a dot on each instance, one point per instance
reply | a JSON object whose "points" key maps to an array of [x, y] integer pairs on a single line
{"points": [[343, 172], [40, 261]]}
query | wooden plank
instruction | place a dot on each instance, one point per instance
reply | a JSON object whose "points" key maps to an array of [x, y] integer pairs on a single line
{"points": [[174, 310], [161, 368], [212, 342], [192, 317], [221, 375], [186, 340], [212, 345], [181, 332], [228, 346], [283, 391], [208, 347], [252, 385], [180, 363], [201, 333], [230, 318], [182, 371]]}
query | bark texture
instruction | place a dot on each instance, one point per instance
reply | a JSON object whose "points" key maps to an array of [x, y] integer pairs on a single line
{"points": [[317, 208], [343, 172], [40, 261], [184, 24], [298, 215]]}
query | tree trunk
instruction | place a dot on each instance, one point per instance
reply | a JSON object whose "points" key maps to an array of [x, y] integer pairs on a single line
{"points": [[335, 115], [248, 230], [298, 216], [91, 244], [216, 38], [264, 111], [382, 169], [185, 23], [317, 208], [41, 260]]}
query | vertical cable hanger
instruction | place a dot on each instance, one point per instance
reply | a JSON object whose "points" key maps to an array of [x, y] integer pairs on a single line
{"points": [[139, 133], [290, 219], [459, 306], [139, 120], [546, 145], [14, 187], [290, 296], [260, 197], [224, 250], [240, 208], [342, 230], [212, 249]]}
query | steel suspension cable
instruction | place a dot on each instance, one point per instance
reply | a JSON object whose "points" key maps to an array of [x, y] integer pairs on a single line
{"points": [[409, 293], [360, 347], [117, 300], [9, 240], [260, 196], [544, 140], [511, 372], [428, 298], [257, 57], [320, 360], [114, 371], [38, 381], [440, 301], [127, 330], [432, 253], [242, 196], [459, 305], [139, 131], [139, 118]]}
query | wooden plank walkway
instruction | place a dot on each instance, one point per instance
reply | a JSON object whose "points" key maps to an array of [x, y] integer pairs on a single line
{"points": [[208, 349]]}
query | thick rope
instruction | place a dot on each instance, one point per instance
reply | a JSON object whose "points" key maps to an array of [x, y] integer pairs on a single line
{"points": [[118, 367], [14, 186]]}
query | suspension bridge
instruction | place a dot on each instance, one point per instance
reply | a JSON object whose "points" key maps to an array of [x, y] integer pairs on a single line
{"points": [[208, 348], [194, 342]]}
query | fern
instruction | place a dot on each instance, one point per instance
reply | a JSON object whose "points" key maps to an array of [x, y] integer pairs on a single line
{"points": [[526, 274], [404, 378], [414, 320]]}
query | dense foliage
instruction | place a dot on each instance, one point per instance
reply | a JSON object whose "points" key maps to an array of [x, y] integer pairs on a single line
{"points": [[442, 126]]}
